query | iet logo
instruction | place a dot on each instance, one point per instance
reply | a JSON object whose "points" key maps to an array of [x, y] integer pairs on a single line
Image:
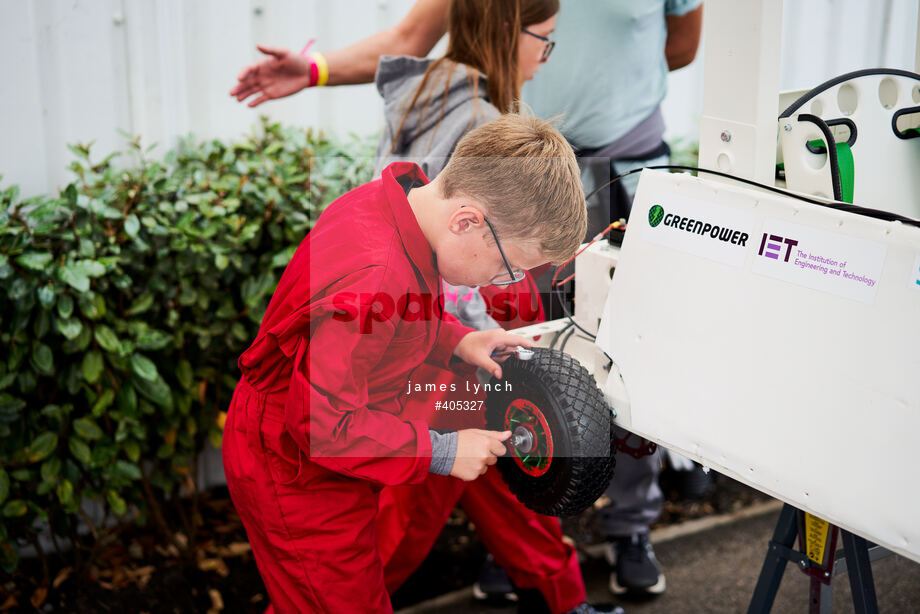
{"points": [[771, 246], [655, 215]]}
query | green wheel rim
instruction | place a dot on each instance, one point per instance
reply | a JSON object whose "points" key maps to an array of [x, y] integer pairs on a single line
{"points": [[523, 413]]}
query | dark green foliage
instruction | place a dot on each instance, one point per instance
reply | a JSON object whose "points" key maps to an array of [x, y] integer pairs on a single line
{"points": [[124, 304]]}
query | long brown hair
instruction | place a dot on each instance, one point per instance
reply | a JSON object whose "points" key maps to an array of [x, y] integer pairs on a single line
{"points": [[484, 35]]}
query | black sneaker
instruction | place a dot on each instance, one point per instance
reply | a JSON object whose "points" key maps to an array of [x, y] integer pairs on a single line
{"points": [[587, 608], [635, 568], [493, 584]]}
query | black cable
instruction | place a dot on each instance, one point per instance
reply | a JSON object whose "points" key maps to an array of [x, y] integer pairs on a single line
{"points": [[557, 337], [556, 290], [840, 206], [566, 340]]}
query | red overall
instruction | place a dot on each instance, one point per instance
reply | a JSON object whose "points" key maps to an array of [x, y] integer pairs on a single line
{"points": [[316, 426], [527, 545]]}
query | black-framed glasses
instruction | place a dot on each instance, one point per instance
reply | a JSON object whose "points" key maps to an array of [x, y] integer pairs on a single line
{"points": [[550, 44], [512, 277]]}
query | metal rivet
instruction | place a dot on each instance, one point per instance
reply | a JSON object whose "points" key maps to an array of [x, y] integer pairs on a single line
{"points": [[726, 136], [788, 127]]}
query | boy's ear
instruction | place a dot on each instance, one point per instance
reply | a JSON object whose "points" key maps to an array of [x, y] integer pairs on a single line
{"points": [[465, 219]]}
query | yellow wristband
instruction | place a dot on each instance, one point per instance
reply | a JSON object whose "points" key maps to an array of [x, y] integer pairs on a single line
{"points": [[322, 67]]}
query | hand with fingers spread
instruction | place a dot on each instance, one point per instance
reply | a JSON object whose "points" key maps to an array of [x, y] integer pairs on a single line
{"points": [[280, 74], [476, 451], [477, 348]]}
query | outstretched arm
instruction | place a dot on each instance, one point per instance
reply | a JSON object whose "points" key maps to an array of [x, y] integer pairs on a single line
{"points": [[417, 33], [284, 72]]}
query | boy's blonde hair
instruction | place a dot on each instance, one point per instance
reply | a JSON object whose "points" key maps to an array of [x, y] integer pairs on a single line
{"points": [[525, 172]]}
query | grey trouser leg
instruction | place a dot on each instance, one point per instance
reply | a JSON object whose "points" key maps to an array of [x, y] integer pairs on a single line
{"points": [[634, 493]]}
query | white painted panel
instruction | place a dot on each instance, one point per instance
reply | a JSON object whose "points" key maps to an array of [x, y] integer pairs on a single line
{"points": [[793, 386], [22, 139]]}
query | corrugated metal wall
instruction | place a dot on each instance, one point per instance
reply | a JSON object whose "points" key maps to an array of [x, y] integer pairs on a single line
{"points": [[84, 70]]}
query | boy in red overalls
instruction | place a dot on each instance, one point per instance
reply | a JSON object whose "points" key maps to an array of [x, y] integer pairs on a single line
{"points": [[315, 428]]}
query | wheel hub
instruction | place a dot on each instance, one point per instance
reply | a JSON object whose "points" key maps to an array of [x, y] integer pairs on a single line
{"points": [[531, 443], [523, 439]]}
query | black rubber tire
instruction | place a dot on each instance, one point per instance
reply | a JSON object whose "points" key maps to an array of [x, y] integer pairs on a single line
{"points": [[579, 421]]}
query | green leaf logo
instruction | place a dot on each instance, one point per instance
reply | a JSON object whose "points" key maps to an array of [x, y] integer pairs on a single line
{"points": [[655, 215]]}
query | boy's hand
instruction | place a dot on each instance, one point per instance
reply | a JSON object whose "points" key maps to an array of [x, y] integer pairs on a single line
{"points": [[476, 348], [476, 450]]}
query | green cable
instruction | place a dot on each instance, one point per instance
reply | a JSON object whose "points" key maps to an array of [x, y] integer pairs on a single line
{"points": [[846, 172], [844, 167]]}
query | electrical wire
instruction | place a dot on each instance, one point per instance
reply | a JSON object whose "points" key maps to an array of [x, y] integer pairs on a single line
{"points": [[555, 286], [832, 204], [559, 335], [566, 339]]}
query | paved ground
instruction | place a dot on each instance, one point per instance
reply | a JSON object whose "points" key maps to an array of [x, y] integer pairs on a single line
{"points": [[715, 570]]}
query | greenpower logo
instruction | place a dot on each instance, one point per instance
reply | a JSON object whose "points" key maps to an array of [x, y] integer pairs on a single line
{"points": [[655, 215]]}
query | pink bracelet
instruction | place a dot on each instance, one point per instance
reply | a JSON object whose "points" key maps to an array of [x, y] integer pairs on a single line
{"points": [[314, 69]]}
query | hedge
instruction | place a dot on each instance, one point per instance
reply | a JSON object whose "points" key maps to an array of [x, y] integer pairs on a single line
{"points": [[124, 304]]}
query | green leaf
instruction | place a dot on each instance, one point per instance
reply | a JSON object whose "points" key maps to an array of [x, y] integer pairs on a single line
{"points": [[75, 277], [20, 288], [92, 305], [103, 455], [70, 329], [129, 470], [65, 306], [42, 324], [184, 373], [22, 475], [144, 367], [107, 339], [51, 469], [65, 492], [4, 485], [80, 450], [42, 446], [92, 366], [132, 225], [153, 340], [282, 258], [117, 504], [226, 311], [42, 359], [156, 391], [90, 268], [127, 399], [8, 379], [36, 261], [103, 402], [141, 304], [15, 508], [188, 296], [132, 451], [87, 429], [46, 296]]}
